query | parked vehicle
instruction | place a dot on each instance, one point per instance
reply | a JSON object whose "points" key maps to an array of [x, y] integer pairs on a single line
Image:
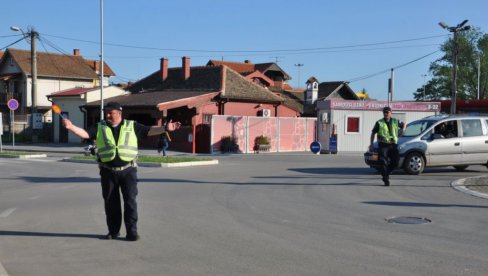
{"points": [[436, 141]]}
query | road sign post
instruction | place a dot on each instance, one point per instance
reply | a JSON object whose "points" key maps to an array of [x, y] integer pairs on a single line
{"points": [[12, 104]]}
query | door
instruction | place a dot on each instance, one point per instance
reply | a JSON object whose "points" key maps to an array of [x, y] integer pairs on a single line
{"points": [[444, 149], [474, 143]]}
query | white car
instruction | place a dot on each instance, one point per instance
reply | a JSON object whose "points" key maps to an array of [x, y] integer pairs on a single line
{"points": [[435, 141]]}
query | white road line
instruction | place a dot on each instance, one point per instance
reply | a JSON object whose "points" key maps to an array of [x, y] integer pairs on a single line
{"points": [[34, 197], [3, 272], [7, 213]]}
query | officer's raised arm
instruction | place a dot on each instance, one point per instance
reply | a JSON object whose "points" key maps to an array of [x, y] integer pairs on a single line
{"points": [[78, 131]]}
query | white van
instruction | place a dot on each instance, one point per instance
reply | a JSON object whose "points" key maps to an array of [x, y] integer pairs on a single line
{"points": [[434, 141]]}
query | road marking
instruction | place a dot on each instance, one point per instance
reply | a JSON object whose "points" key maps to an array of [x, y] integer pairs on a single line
{"points": [[7, 213], [3, 272], [34, 197]]}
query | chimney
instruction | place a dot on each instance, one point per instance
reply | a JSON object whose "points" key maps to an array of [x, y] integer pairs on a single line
{"points": [[76, 52], [164, 69], [185, 64], [97, 66], [247, 61]]}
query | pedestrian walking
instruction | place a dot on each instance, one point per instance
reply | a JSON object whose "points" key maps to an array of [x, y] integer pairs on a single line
{"points": [[117, 143], [388, 130], [163, 143]]}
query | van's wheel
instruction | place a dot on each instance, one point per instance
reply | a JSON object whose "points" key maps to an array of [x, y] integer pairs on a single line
{"points": [[414, 163], [461, 168]]}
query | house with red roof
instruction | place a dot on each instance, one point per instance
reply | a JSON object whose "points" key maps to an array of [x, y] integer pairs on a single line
{"points": [[55, 72], [192, 95]]}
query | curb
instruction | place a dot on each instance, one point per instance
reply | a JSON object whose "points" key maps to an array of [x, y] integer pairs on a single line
{"points": [[152, 164], [459, 185], [23, 156]]}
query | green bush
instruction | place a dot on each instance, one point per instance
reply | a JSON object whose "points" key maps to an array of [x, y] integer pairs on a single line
{"points": [[261, 140], [228, 144]]}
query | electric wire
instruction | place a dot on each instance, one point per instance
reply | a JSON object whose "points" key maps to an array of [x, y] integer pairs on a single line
{"points": [[249, 51], [387, 70], [13, 43]]}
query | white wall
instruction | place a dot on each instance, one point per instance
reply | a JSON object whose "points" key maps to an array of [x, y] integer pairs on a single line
{"points": [[47, 87], [70, 105], [108, 92]]}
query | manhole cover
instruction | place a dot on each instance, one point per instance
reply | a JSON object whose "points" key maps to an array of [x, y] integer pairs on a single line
{"points": [[408, 220]]}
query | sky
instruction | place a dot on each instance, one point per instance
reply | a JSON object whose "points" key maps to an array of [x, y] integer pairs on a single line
{"points": [[349, 40]]}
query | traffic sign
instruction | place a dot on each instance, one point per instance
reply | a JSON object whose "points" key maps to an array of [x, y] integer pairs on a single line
{"points": [[315, 147], [13, 104]]}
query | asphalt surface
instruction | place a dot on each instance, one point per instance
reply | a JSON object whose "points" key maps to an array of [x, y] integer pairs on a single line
{"points": [[259, 214]]}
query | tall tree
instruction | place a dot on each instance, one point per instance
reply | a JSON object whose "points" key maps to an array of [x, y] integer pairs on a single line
{"points": [[473, 44]]}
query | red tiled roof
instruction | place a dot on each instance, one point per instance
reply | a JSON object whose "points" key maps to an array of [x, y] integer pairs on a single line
{"points": [[152, 98], [73, 91], [239, 67], [53, 65], [107, 71]]}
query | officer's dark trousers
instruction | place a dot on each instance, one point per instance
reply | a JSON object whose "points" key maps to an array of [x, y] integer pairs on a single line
{"points": [[114, 182], [388, 155]]}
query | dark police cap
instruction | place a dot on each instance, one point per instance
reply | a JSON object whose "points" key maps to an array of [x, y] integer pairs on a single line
{"points": [[386, 109], [112, 106]]}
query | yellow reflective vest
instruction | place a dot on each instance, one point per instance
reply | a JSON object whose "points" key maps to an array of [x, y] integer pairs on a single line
{"points": [[126, 146], [384, 135]]}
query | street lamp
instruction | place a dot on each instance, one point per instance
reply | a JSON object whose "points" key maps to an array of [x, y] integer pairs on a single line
{"points": [[33, 35], [299, 65], [460, 27], [423, 88]]}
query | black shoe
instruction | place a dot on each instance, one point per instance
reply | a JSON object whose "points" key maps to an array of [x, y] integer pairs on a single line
{"points": [[386, 180], [111, 236], [132, 237]]}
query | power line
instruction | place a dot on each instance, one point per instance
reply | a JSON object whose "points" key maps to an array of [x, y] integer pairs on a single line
{"points": [[249, 51], [12, 43], [387, 70]]}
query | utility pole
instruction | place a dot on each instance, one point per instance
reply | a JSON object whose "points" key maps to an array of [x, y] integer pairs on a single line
{"points": [[299, 65], [460, 27], [33, 37], [423, 88], [479, 73], [391, 83]]}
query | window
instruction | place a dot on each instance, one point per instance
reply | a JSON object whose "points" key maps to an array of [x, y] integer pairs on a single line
{"points": [[353, 125], [471, 127], [207, 118]]}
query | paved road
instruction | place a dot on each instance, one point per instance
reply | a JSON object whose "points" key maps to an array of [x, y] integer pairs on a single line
{"points": [[250, 215]]}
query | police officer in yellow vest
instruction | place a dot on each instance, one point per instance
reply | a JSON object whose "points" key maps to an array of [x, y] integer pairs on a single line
{"points": [[117, 144], [388, 130]]}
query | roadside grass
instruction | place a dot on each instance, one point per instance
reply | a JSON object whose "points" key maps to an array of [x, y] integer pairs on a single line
{"points": [[152, 159]]}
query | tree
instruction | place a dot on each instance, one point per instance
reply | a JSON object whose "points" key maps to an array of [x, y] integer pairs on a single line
{"points": [[472, 43]]}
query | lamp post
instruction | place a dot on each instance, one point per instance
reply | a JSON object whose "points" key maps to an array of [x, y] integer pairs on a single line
{"points": [[479, 73], [423, 88], [299, 65], [460, 27], [33, 36], [101, 60]]}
